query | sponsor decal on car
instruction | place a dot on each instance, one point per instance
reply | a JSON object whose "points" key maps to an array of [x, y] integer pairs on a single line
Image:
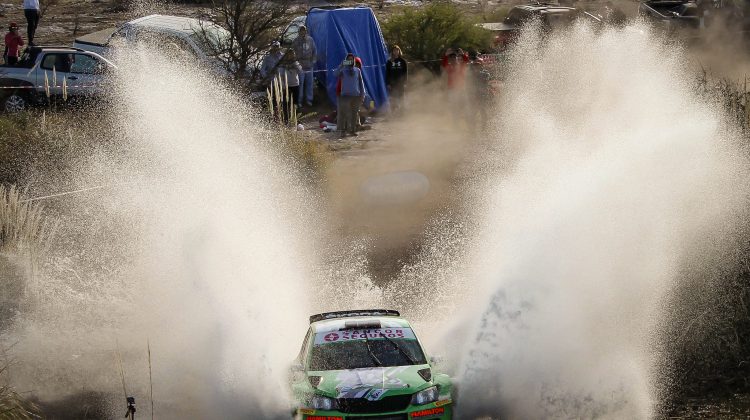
{"points": [[348, 335], [324, 418], [428, 412], [442, 403], [344, 324]]}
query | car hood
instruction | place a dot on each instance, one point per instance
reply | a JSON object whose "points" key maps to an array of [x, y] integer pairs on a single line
{"points": [[371, 383]]}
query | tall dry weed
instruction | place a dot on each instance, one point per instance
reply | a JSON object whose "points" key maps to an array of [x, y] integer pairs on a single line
{"points": [[23, 224], [732, 96], [13, 406]]}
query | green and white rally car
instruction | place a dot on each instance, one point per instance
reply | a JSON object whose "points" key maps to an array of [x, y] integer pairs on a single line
{"points": [[366, 364]]}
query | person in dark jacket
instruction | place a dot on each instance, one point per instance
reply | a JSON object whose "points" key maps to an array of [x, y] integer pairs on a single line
{"points": [[396, 74], [32, 13], [288, 73], [270, 62]]}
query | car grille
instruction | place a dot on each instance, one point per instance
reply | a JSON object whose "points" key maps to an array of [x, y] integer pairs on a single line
{"points": [[362, 405]]}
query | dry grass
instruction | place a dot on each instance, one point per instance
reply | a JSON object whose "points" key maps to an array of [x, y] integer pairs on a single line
{"points": [[314, 156], [707, 328], [276, 95], [14, 406], [23, 225], [733, 96]]}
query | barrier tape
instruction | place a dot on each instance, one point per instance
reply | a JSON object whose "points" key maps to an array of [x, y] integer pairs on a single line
{"points": [[98, 187], [483, 56], [42, 87]]}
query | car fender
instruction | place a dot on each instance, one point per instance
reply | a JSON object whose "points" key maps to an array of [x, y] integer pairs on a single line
{"points": [[8, 83], [445, 384]]}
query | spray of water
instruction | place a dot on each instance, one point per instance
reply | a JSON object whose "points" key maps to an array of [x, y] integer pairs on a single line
{"points": [[614, 173], [195, 248], [607, 172]]}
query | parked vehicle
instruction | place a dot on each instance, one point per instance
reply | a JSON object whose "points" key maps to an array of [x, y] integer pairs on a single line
{"points": [[551, 16], [672, 14], [357, 364], [48, 73], [189, 34], [291, 32]]}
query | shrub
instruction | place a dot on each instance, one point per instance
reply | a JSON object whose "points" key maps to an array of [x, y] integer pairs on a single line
{"points": [[425, 33]]}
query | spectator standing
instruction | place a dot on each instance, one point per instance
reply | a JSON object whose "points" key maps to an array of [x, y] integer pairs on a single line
{"points": [[288, 73], [357, 64], [396, 74], [454, 65], [270, 62], [31, 11], [13, 44], [350, 96], [304, 48], [480, 92], [360, 118]]}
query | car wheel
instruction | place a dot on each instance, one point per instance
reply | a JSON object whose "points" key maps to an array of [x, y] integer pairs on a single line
{"points": [[15, 103]]}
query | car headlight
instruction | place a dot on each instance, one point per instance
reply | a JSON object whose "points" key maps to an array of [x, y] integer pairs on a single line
{"points": [[320, 402], [425, 396]]}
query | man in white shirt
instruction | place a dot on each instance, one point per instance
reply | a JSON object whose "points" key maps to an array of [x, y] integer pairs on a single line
{"points": [[31, 11]]}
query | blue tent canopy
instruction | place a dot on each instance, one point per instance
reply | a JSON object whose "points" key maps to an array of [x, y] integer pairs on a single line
{"points": [[340, 31]]}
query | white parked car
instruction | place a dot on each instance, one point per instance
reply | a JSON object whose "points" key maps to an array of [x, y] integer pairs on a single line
{"points": [[189, 34]]}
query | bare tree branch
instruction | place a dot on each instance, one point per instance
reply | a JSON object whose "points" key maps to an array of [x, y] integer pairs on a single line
{"points": [[253, 25]]}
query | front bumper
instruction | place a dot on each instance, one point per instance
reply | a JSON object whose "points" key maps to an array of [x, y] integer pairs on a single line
{"points": [[439, 410]]}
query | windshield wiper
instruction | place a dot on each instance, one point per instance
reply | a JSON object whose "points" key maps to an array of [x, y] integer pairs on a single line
{"points": [[400, 350], [369, 351]]}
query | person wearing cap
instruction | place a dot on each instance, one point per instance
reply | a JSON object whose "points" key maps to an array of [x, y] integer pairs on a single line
{"points": [[270, 62], [454, 67], [304, 48], [350, 94], [13, 44], [31, 11]]}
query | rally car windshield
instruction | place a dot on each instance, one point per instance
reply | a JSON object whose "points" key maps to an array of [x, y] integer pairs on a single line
{"points": [[374, 352]]}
